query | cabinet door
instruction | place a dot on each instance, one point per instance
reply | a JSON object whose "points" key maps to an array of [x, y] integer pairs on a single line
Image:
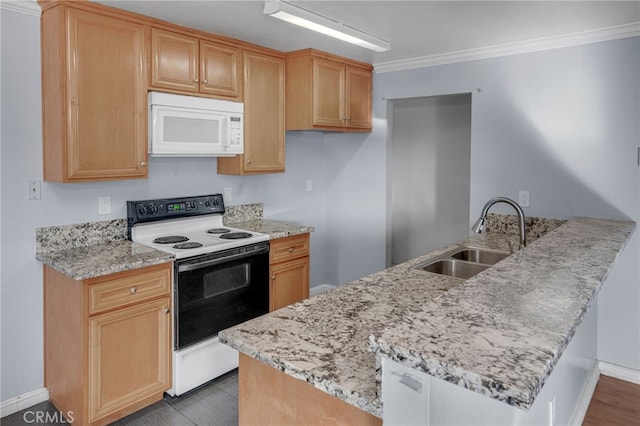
{"points": [[174, 61], [358, 98], [220, 69], [263, 118], [328, 93], [289, 283], [129, 356], [106, 100]]}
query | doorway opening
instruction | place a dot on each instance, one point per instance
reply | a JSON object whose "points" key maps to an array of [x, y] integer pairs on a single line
{"points": [[428, 170]]}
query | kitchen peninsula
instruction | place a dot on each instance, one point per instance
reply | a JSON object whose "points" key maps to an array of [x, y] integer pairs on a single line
{"points": [[500, 334]]}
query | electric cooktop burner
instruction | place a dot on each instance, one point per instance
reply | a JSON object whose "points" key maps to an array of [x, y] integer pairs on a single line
{"points": [[189, 245], [235, 235], [218, 231], [170, 239]]}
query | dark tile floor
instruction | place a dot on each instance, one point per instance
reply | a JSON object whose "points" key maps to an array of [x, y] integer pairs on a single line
{"points": [[213, 404]]}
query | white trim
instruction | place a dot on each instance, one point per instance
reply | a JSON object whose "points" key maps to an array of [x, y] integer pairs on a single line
{"points": [[618, 372], [320, 289], [29, 7], [26, 400], [535, 45], [582, 405]]}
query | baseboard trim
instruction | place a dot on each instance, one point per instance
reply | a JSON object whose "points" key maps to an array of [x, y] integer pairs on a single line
{"points": [[618, 372], [582, 405], [320, 289], [26, 400]]}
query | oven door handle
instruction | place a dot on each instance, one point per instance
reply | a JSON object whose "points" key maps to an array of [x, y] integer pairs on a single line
{"points": [[192, 266]]}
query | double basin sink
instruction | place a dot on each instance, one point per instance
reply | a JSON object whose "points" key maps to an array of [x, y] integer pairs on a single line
{"points": [[462, 262]]}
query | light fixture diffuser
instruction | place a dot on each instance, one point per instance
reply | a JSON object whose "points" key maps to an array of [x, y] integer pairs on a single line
{"points": [[312, 21]]}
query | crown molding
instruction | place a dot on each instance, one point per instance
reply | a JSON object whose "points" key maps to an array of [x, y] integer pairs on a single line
{"points": [[535, 45], [27, 7]]}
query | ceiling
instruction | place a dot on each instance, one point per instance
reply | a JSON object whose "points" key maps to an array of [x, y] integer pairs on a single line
{"points": [[415, 29]]}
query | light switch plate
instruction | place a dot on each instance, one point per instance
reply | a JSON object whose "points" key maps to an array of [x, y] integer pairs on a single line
{"points": [[523, 198], [34, 189]]}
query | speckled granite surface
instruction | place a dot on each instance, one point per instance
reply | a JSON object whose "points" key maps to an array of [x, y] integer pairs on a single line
{"points": [[88, 250], [274, 228], [242, 213], [499, 333], [96, 260], [54, 238], [508, 224]]}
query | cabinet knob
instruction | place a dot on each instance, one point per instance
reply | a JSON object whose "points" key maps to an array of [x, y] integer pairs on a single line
{"points": [[205, 81], [248, 161], [290, 249], [195, 80], [134, 290], [273, 277], [142, 164], [167, 310]]}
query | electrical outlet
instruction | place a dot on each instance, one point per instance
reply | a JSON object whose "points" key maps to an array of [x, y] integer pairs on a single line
{"points": [[309, 185], [523, 198], [34, 190], [104, 205]]}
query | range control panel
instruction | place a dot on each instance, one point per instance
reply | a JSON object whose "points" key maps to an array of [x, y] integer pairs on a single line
{"points": [[162, 209]]}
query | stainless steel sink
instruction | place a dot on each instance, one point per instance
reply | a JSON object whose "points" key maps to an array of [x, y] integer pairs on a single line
{"points": [[487, 257], [462, 262], [455, 268]]}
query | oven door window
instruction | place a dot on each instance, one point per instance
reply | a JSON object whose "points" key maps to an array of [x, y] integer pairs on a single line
{"points": [[213, 298]]}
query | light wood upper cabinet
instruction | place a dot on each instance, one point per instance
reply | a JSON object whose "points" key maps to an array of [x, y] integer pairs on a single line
{"points": [[328, 87], [183, 63], [289, 268], [326, 92], [174, 61], [358, 98], [107, 342], [264, 94], [94, 94]]}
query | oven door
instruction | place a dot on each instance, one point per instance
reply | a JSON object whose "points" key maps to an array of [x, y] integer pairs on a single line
{"points": [[219, 290]]}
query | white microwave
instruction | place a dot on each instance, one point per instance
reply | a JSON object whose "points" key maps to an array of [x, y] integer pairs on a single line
{"points": [[189, 126]]}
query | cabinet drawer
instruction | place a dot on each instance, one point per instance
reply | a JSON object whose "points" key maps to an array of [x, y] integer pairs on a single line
{"points": [[289, 248], [129, 289]]}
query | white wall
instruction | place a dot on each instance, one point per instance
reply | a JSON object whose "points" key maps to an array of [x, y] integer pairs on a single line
{"points": [[283, 195], [562, 124]]}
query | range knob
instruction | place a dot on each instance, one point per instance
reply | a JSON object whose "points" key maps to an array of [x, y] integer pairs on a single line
{"points": [[142, 210], [207, 203], [153, 208]]}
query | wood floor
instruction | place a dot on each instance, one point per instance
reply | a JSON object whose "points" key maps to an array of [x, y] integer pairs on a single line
{"points": [[615, 402]]}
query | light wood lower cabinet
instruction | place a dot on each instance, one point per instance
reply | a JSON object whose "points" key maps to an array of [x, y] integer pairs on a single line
{"points": [[289, 267], [268, 396], [107, 342]]}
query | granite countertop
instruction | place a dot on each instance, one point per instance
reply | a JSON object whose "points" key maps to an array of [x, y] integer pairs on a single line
{"points": [[499, 333], [97, 260], [275, 229], [100, 248]]}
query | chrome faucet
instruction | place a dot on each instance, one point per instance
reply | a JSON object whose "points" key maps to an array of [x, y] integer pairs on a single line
{"points": [[479, 225]]}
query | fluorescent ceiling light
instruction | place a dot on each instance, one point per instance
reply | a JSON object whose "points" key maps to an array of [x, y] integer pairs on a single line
{"points": [[312, 21]]}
